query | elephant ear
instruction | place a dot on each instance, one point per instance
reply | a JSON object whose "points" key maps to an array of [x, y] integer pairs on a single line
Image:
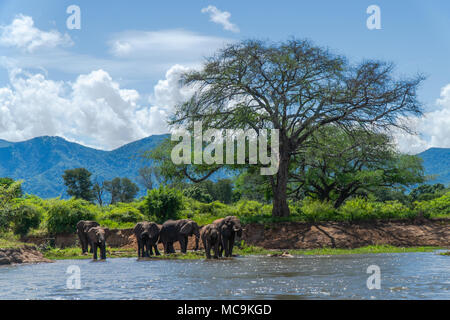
{"points": [[187, 228], [154, 230], [107, 232]]}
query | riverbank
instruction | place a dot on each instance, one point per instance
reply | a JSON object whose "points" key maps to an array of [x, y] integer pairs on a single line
{"points": [[21, 254], [243, 250], [304, 235]]}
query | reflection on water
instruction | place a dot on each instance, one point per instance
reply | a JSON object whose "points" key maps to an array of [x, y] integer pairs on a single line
{"points": [[403, 276]]}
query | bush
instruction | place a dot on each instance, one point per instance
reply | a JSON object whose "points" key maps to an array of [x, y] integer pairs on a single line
{"points": [[163, 203], [246, 208], [439, 207], [393, 210], [358, 209], [63, 215], [125, 214], [25, 218], [315, 210]]}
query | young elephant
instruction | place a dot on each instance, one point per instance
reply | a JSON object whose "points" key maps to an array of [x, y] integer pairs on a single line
{"points": [[147, 234], [178, 230], [82, 230], [97, 239], [211, 239], [229, 228]]}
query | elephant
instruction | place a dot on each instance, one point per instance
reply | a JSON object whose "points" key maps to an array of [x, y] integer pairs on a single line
{"points": [[82, 230], [228, 228], [178, 230], [97, 239], [147, 234], [211, 239]]}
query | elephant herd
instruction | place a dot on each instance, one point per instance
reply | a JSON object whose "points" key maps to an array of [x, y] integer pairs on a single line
{"points": [[218, 236]]}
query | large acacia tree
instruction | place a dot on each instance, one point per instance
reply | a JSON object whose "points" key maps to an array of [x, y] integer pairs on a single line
{"points": [[297, 88]]}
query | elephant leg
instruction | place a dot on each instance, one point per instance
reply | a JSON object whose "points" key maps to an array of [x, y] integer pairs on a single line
{"points": [[94, 247], [150, 248], [156, 250], [139, 248], [216, 250], [220, 250], [208, 250], [145, 253], [183, 242], [82, 242], [103, 251], [231, 245], [171, 248]]}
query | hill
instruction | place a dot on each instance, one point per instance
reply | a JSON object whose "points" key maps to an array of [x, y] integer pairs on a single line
{"points": [[437, 162], [41, 161]]}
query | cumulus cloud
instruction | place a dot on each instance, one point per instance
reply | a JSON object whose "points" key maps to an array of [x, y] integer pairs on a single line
{"points": [[93, 110], [433, 128], [22, 34], [221, 17]]}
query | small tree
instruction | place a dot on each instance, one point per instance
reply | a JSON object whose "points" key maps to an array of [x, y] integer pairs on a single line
{"points": [[63, 216], [78, 183], [163, 203], [121, 190]]}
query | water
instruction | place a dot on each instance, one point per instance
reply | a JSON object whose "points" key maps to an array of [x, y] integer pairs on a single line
{"points": [[403, 276]]}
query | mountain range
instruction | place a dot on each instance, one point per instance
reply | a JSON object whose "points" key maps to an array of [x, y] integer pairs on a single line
{"points": [[41, 162]]}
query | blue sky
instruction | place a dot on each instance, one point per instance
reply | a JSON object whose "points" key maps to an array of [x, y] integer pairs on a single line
{"points": [[114, 80]]}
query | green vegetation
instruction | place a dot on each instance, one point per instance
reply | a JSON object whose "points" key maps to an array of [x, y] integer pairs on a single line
{"points": [[31, 214], [242, 250]]}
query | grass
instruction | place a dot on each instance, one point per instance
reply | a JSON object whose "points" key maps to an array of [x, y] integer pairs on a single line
{"points": [[245, 250], [9, 241], [337, 251]]}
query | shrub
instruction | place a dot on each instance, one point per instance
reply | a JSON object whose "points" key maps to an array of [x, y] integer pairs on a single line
{"points": [[315, 210], [358, 209], [163, 203], [25, 218], [63, 215], [125, 214], [246, 208], [393, 210], [439, 207]]}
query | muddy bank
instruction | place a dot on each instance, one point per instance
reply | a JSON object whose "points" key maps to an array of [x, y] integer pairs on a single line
{"points": [[26, 254], [298, 235], [302, 235]]}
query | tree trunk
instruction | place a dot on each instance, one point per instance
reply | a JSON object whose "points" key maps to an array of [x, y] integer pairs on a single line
{"points": [[279, 188]]}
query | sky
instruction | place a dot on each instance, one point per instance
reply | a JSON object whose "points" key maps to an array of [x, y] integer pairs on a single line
{"points": [[115, 80]]}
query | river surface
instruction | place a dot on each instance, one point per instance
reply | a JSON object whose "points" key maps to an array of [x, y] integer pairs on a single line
{"points": [[403, 276]]}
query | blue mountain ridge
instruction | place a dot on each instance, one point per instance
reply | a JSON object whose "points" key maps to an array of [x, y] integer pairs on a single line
{"points": [[41, 162]]}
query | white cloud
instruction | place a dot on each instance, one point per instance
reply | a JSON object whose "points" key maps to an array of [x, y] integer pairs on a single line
{"points": [[163, 44], [221, 17], [433, 128], [94, 110], [22, 34]]}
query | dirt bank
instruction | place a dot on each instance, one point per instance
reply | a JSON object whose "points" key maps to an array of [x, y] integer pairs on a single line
{"points": [[26, 254], [297, 235], [302, 235]]}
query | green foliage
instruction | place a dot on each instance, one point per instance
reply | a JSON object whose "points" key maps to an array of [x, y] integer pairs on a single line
{"points": [[427, 192], [163, 203], [64, 215], [78, 183], [439, 207], [26, 217], [198, 193], [125, 213], [315, 210], [121, 190], [358, 209]]}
